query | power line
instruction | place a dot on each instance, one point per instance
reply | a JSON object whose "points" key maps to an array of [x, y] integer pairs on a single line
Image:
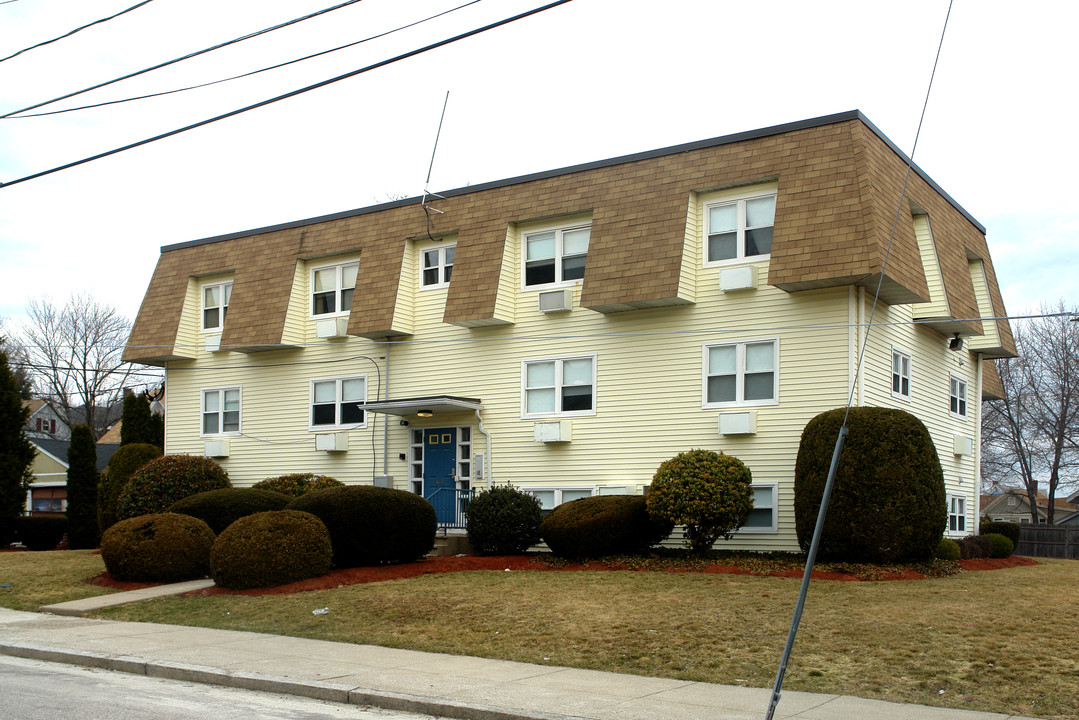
{"points": [[72, 32], [15, 115], [383, 63]]}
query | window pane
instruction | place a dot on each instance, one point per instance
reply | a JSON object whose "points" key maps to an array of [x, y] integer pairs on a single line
{"points": [[324, 303], [539, 401], [451, 252], [539, 374], [568, 495], [209, 318], [721, 388], [209, 424], [539, 272], [759, 356], [760, 386], [759, 241], [721, 359], [228, 293], [351, 413], [759, 518], [760, 211], [447, 271], [325, 391], [762, 497], [430, 276], [546, 498], [348, 276], [577, 372], [540, 246], [723, 246], [573, 268], [722, 218], [211, 296], [353, 390], [211, 401], [346, 299], [325, 279], [230, 421], [323, 414], [430, 258], [576, 398], [466, 434], [232, 400], [575, 242]]}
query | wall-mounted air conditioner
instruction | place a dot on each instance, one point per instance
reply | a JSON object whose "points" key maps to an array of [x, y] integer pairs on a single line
{"points": [[332, 442], [552, 432], [555, 300], [213, 342], [738, 278], [216, 448], [738, 423], [963, 445], [331, 328]]}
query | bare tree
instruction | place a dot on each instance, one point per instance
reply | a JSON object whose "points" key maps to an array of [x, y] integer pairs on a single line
{"points": [[18, 362], [1031, 434], [75, 356]]}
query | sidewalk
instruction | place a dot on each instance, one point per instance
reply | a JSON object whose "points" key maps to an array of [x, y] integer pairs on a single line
{"points": [[448, 686]]}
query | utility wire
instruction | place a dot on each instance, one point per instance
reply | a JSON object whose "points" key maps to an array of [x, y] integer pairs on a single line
{"points": [[82, 27], [15, 115], [383, 63]]}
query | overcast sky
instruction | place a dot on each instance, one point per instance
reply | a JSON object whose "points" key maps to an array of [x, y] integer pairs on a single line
{"points": [[588, 80]]}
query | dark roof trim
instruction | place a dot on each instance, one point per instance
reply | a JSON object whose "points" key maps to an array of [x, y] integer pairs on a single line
{"points": [[595, 165]]}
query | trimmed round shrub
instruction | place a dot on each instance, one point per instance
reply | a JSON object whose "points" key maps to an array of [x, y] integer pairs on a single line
{"points": [[221, 508], [372, 525], [270, 548], [122, 465], [999, 545], [503, 521], [973, 547], [40, 532], [707, 492], [602, 525], [165, 547], [163, 481], [297, 484], [888, 501], [1007, 529], [947, 549]]}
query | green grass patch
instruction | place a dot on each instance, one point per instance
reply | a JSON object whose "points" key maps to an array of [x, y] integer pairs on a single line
{"points": [[44, 578]]}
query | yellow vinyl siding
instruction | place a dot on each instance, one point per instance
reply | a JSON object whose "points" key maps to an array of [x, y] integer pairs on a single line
{"points": [[938, 305], [991, 337], [299, 304], [189, 340]]}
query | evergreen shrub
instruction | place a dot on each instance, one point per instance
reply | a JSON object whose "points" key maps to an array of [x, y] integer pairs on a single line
{"points": [[888, 500], [707, 492], [16, 452], [270, 548], [973, 547], [164, 480], [82, 481], [297, 484], [602, 525], [999, 545], [947, 549], [122, 465], [1009, 530], [221, 508], [165, 547], [372, 525], [41, 532], [503, 521]]}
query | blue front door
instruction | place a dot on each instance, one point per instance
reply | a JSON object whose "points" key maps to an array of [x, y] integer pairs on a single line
{"points": [[439, 467]]}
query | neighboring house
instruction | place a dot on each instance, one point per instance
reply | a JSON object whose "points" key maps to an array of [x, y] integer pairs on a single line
{"points": [[1013, 505], [48, 492], [568, 331], [45, 422]]}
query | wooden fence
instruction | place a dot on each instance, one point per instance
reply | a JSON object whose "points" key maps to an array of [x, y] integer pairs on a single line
{"points": [[1054, 541]]}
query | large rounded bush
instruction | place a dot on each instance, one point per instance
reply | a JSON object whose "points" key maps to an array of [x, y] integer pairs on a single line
{"points": [[166, 547], [1009, 530], [372, 525], [161, 482], [41, 532], [221, 508], [503, 521], [707, 492], [948, 549], [888, 500], [270, 548], [999, 545], [602, 525], [297, 484], [122, 465]]}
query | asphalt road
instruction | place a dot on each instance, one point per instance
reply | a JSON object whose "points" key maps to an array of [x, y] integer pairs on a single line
{"points": [[36, 690]]}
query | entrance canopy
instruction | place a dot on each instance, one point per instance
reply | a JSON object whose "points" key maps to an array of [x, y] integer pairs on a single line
{"points": [[424, 406]]}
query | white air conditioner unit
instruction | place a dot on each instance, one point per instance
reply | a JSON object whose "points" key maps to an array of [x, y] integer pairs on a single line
{"points": [[551, 432], [332, 442], [216, 448], [962, 445], [738, 423], [331, 328], [213, 342], [738, 278], [555, 300]]}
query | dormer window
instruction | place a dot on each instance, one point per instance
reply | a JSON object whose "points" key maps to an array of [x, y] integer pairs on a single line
{"points": [[556, 256], [740, 229], [437, 265], [215, 303], [332, 288]]}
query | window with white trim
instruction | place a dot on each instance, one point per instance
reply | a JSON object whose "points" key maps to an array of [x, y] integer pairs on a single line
{"points": [[558, 386], [332, 288], [762, 518], [901, 374], [550, 498], [957, 391], [742, 373], [221, 411], [555, 256], [739, 229], [436, 266], [215, 303], [957, 515], [338, 402]]}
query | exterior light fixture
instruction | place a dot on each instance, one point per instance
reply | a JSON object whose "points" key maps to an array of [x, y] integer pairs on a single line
{"points": [[424, 413], [956, 343]]}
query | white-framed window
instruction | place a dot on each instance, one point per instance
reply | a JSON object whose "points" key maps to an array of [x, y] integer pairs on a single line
{"points": [[338, 402], [957, 391], [415, 461], [741, 373], [332, 287], [436, 266], [558, 386], [957, 515], [901, 374], [215, 303], [221, 411], [464, 457], [555, 256], [739, 229], [550, 498], [762, 518]]}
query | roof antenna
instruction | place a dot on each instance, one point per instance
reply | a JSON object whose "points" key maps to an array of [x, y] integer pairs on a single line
{"points": [[427, 210]]}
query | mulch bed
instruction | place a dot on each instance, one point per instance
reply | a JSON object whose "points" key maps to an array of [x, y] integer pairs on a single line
{"points": [[517, 563]]}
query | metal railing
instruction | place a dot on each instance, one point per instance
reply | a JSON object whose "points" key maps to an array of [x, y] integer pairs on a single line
{"points": [[449, 505]]}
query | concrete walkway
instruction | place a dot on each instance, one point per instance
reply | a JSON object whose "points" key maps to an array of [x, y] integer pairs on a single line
{"points": [[449, 686]]}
